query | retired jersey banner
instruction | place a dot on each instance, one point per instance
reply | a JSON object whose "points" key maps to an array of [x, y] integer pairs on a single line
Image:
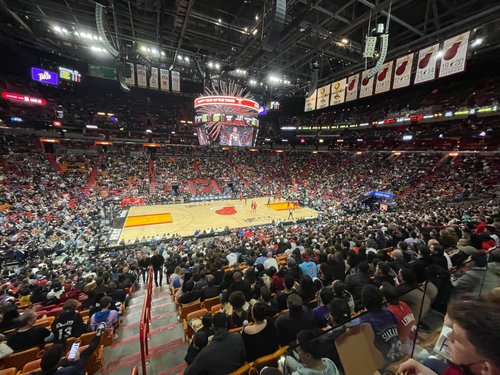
{"points": [[352, 88], [384, 78], [310, 104], [402, 71], [366, 88], [164, 80], [454, 55], [426, 64], [153, 80], [323, 100], [141, 76], [131, 80], [176, 81], [338, 92]]}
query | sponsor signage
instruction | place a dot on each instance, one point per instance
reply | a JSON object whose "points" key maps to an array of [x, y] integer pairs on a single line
{"points": [[22, 98], [103, 72], [69, 74], [229, 100], [44, 76]]}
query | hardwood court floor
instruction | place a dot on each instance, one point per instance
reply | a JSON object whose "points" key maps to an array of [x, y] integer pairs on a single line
{"points": [[189, 217]]}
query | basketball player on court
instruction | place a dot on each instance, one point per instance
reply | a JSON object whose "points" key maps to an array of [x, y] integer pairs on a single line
{"points": [[290, 214]]}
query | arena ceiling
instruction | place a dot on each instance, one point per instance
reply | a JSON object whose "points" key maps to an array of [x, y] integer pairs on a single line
{"points": [[233, 33]]}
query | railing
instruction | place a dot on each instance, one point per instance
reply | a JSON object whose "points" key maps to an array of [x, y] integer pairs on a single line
{"points": [[145, 320]]}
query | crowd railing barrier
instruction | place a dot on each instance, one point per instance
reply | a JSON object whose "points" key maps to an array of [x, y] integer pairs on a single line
{"points": [[144, 324]]}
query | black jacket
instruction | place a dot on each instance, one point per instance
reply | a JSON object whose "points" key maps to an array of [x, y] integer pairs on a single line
{"points": [[157, 261]]}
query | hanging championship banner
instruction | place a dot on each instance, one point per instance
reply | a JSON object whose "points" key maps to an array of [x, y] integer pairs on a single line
{"points": [[323, 100], [141, 76], [366, 87], [311, 102], [338, 92], [402, 71], [352, 88], [131, 80], [176, 81], [153, 80], [384, 78], [426, 64], [164, 80], [454, 55]]}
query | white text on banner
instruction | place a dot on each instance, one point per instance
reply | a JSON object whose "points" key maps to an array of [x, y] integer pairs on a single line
{"points": [[366, 87], [310, 104], [352, 87], [153, 80]]}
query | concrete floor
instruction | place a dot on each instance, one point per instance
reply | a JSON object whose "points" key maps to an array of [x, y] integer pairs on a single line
{"points": [[166, 344]]}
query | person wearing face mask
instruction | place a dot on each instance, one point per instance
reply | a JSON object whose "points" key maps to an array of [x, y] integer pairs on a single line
{"points": [[473, 342]]}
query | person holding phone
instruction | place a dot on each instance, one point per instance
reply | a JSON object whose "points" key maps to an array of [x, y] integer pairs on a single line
{"points": [[55, 363]]}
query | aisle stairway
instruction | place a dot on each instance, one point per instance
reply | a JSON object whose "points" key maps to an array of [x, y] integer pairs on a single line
{"points": [[53, 162], [152, 179], [166, 345], [93, 175]]}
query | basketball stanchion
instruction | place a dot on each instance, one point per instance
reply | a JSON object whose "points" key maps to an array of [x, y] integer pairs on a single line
{"points": [[145, 321]]}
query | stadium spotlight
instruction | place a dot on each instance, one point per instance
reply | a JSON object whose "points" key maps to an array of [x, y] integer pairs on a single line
{"points": [[149, 131], [344, 41], [254, 32], [217, 66], [439, 54], [477, 42]]}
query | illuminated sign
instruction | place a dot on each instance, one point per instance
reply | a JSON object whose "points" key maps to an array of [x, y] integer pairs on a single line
{"points": [[57, 123], [22, 98], [274, 105], [44, 76], [103, 143], [381, 194], [151, 145], [49, 140], [16, 119], [69, 74], [262, 110], [226, 100]]}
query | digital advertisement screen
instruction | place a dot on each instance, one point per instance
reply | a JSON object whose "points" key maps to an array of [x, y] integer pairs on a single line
{"points": [[237, 136], [44, 76], [202, 136]]}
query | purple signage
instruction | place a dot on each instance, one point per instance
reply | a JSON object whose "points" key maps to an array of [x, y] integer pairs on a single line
{"points": [[44, 76]]}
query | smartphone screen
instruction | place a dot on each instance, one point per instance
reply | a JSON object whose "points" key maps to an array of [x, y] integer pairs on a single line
{"points": [[74, 350]]}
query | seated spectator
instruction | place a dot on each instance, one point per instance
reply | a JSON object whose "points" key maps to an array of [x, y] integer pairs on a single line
{"points": [[383, 323], [339, 290], [481, 276], [270, 304], [27, 336], [306, 289], [281, 297], [200, 340], [355, 282], [110, 317], [473, 341], [260, 338], [293, 321], [211, 290], [240, 284], [270, 261], [223, 355], [320, 314], [5, 350], [188, 293], [238, 316], [384, 273], [308, 267], [310, 361], [68, 323], [54, 361]]}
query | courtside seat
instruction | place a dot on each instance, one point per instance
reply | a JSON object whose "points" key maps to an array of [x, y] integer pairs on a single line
{"points": [[209, 302], [8, 371], [270, 360], [215, 309], [19, 359], [188, 330], [32, 366], [86, 338], [185, 309]]}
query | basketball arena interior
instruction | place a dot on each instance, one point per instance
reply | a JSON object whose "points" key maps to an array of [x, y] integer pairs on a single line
{"points": [[268, 187]]}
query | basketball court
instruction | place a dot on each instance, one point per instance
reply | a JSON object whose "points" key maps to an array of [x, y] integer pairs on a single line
{"points": [[185, 219]]}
